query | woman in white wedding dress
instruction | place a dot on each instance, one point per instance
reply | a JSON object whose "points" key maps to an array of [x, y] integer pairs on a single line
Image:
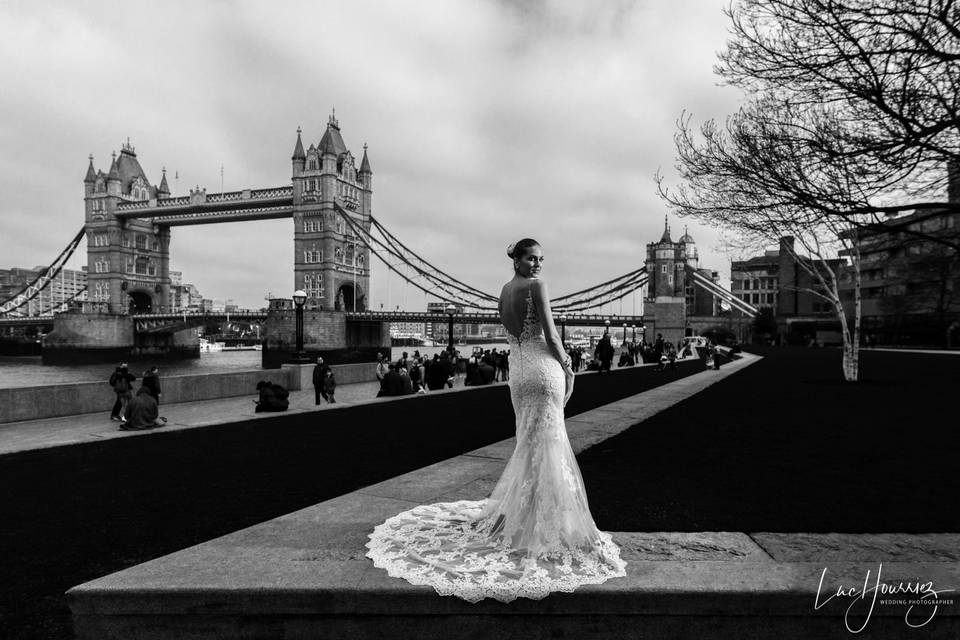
{"points": [[534, 535]]}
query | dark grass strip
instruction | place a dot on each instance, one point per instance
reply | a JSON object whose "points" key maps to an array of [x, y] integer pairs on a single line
{"points": [[74, 513], [785, 445]]}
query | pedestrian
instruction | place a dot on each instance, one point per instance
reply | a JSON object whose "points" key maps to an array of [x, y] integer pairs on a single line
{"points": [[381, 371], [486, 373], [151, 380], [407, 382], [604, 353], [319, 380], [416, 376], [392, 383], [329, 385], [142, 412], [122, 382], [658, 347]]}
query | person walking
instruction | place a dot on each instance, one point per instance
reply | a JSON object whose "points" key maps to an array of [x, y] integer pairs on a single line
{"points": [[329, 386], [319, 379], [122, 383]]}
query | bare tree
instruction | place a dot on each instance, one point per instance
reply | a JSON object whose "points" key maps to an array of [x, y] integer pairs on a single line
{"points": [[851, 118], [889, 73]]}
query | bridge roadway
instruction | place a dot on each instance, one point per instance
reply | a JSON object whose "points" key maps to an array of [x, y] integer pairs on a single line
{"points": [[147, 322]]}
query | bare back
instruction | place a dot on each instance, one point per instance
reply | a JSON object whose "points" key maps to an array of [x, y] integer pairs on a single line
{"points": [[513, 305]]}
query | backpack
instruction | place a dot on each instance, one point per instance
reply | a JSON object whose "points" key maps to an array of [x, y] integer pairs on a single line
{"points": [[281, 392]]}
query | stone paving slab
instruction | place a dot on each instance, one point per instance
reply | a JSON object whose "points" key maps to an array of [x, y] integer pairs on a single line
{"points": [[829, 547]]}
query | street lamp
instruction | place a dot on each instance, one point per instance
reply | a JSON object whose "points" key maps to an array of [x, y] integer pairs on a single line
{"points": [[299, 297], [563, 330], [606, 326], [633, 327], [451, 311], [624, 332]]}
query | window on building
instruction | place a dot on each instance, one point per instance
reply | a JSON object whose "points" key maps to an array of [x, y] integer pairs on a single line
{"points": [[141, 241], [313, 285], [340, 225], [155, 245], [126, 240], [141, 267], [151, 269], [663, 268], [349, 255], [129, 268], [360, 260], [312, 165], [670, 279], [338, 255]]}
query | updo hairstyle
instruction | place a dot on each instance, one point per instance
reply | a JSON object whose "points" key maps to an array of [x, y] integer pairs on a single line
{"points": [[518, 249]]}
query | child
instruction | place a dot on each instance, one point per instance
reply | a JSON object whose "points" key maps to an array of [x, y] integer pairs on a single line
{"points": [[329, 386]]}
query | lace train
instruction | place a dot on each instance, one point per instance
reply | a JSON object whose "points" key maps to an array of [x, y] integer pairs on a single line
{"points": [[534, 535]]}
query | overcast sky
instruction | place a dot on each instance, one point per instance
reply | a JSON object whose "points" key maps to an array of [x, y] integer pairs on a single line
{"points": [[486, 122]]}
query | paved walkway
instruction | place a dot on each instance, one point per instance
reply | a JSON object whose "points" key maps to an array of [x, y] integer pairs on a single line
{"points": [[88, 427]]}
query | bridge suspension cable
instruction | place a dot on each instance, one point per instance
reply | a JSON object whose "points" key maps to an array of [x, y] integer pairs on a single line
{"points": [[440, 284], [33, 289]]}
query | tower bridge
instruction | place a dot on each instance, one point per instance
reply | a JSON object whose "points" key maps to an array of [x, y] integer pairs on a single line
{"points": [[128, 222]]}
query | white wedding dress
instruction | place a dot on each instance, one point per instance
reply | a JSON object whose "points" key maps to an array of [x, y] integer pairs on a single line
{"points": [[534, 535]]}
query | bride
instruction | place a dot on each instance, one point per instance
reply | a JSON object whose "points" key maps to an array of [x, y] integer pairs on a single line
{"points": [[534, 535]]}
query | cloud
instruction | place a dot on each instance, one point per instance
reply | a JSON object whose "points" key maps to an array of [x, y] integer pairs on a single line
{"points": [[486, 122]]}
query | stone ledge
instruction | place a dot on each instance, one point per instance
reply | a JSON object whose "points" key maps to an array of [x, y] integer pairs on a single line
{"points": [[306, 575]]}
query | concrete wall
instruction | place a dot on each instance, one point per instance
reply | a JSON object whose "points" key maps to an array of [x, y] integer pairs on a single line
{"points": [[50, 401]]}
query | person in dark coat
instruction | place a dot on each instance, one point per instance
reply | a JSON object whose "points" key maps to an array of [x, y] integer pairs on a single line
{"points": [[151, 380], [392, 382], [273, 397], [437, 376], [604, 353], [487, 373], [142, 412], [329, 386], [416, 376], [319, 377], [658, 347], [407, 382], [472, 377], [122, 382]]}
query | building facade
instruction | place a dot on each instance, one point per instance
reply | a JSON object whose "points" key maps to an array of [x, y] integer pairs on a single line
{"points": [[673, 300], [128, 260], [910, 277], [331, 263], [68, 285]]}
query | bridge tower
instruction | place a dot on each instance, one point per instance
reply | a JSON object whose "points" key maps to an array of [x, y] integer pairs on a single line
{"points": [[330, 264], [128, 261], [665, 305]]}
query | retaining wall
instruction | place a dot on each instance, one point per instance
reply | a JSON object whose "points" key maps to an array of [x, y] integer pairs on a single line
{"points": [[51, 401]]}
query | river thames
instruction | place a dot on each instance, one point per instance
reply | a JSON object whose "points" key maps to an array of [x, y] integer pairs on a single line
{"points": [[29, 371]]}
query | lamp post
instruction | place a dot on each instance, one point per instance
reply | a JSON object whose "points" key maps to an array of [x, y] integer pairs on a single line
{"points": [[624, 332], [606, 326], [451, 311], [563, 330], [299, 297], [633, 327]]}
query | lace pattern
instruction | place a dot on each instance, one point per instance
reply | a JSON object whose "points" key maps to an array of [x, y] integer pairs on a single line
{"points": [[534, 534]]}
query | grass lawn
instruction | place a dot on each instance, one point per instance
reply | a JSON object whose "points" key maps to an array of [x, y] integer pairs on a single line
{"points": [[785, 445]]}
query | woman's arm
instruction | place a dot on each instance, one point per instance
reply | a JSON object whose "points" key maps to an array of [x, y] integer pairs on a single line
{"points": [[542, 299]]}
